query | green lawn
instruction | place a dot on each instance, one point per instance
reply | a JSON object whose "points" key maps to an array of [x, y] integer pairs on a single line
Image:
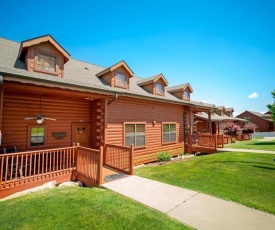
{"points": [[241, 177], [80, 208], [256, 144]]}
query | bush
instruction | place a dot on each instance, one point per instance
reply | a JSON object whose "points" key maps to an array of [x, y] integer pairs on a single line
{"points": [[164, 156], [233, 140], [232, 130], [249, 128]]}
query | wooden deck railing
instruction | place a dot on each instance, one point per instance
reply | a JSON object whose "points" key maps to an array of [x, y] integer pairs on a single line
{"points": [[205, 142], [21, 169], [89, 166], [119, 158]]}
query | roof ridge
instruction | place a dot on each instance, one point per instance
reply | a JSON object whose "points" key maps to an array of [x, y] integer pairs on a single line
{"points": [[87, 62]]}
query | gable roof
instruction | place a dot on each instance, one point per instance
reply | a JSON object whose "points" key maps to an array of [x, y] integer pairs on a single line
{"points": [[78, 74], [45, 38], [260, 115], [152, 79], [177, 88], [115, 66], [229, 109]]}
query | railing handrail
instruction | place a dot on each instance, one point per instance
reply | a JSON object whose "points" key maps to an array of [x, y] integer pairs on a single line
{"points": [[89, 149], [35, 151], [120, 147]]}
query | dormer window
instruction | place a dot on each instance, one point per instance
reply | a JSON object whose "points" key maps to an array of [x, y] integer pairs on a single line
{"points": [[186, 95], [46, 62], [159, 89], [120, 80], [43, 54]]}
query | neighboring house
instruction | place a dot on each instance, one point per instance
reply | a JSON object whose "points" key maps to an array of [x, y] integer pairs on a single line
{"points": [[220, 118], [49, 100], [262, 121]]}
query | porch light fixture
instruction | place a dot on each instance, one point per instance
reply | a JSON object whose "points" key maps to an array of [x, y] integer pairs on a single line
{"points": [[40, 120]]}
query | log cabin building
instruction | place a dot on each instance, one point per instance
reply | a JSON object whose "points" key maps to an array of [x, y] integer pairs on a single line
{"points": [[52, 106]]}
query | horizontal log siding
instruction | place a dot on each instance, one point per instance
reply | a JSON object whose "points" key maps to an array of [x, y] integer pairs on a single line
{"points": [[16, 108], [134, 110]]}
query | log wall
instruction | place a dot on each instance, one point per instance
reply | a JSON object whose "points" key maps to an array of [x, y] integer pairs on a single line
{"points": [[136, 110]]}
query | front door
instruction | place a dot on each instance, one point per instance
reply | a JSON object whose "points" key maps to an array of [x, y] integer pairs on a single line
{"points": [[81, 134]]}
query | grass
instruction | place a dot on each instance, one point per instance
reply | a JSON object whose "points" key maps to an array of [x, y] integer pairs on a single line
{"points": [[256, 144], [246, 178], [80, 208]]}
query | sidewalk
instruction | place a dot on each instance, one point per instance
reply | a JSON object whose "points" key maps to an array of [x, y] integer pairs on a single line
{"points": [[245, 150], [195, 209]]}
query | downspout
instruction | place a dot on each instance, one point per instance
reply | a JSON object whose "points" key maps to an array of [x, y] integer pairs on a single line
{"points": [[116, 97]]}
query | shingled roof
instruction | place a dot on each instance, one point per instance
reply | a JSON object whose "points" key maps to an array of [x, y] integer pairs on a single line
{"points": [[78, 74]]}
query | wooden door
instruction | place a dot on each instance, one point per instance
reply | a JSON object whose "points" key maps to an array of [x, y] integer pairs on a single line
{"points": [[81, 134]]}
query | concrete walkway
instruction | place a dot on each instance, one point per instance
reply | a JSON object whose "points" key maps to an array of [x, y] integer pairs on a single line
{"points": [[245, 150], [192, 208]]}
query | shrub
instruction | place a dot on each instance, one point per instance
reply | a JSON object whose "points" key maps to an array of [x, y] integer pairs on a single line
{"points": [[249, 128], [233, 140], [232, 130], [164, 156]]}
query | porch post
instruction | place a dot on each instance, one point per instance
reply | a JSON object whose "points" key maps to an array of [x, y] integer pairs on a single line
{"points": [[105, 120], [184, 131], [209, 122], [1, 102], [132, 160], [190, 121], [100, 165], [218, 128]]}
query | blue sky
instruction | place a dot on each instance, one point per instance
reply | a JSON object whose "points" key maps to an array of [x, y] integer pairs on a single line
{"points": [[224, 49]]}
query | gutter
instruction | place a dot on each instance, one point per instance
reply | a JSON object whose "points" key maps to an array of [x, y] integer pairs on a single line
{"points": [[115, 98]]}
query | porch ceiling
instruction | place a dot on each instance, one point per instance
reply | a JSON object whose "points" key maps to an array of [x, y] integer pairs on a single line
{"points": [[31, 90]]}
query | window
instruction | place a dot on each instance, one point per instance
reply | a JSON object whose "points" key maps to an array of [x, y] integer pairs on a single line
{"points": [[186, 95], [37, 136], [120, 80], [159, 89], [168, 132], [46, 62], [135, 134]]}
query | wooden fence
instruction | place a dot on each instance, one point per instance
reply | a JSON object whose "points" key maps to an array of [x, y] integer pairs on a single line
{"points": [[119, 158]]}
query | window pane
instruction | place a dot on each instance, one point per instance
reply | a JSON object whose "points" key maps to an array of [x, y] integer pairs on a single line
{"points": [[166, 137], [37, 136], [46, 62], [159, 88], [129, 129], [129, 140], [165, 128], [172, 127], [120, 79], [140, 140], [140, 128], [169, 133], [186, 94], [172, 137]]}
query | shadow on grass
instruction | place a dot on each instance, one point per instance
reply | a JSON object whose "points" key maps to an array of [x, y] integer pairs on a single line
{"points": [[264, 143], [248, 163], [263, 167]]}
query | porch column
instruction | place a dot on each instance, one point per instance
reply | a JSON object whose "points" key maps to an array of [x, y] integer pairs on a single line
{"points": [[209, 122], [1, 102], [105, 121], [191, 123], [218, 128]]}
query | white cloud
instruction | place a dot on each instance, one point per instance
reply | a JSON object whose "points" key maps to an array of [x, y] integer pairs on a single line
{"points": [[253, 95]]}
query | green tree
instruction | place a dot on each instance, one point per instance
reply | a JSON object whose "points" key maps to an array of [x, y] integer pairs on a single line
{"points": [[271, 107]]}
